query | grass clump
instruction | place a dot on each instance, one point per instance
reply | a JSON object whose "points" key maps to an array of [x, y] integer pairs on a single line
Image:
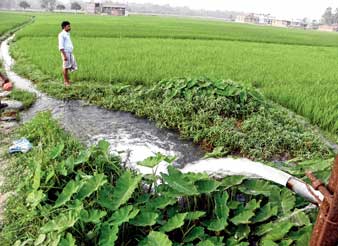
{"points": [[213, 113], [23, 96]]}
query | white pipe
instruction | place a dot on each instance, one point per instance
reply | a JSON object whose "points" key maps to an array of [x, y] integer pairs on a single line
{"points": [[220, 168]]}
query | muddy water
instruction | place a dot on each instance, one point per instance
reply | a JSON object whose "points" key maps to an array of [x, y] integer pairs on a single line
{"points": [[136, 138]]}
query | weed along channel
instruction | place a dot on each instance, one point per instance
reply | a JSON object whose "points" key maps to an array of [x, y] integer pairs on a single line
{"points": [[161, 161]]}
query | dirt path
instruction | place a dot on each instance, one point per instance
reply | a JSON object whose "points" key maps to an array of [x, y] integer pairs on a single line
{"points": [[6, 131]]}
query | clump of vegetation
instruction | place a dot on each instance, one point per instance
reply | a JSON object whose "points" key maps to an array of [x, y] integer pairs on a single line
{"points": [[25, 97], [69, 195], [213, 113]]}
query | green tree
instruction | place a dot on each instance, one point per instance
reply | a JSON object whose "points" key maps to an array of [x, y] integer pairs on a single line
{"points": [[48, 4], [327, 17], [60, 7], [24, 5], [75, 6], [335, 17]]}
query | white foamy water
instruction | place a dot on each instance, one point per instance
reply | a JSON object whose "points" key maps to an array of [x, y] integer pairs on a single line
{"points": [[20, 82]]}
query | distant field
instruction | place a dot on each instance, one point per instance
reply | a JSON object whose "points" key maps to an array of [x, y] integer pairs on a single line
{"points": [[9, 21], [302, 76], [174, 28]]}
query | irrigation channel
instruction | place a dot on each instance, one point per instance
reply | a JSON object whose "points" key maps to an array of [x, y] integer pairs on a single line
{"points": [[138, 138]]}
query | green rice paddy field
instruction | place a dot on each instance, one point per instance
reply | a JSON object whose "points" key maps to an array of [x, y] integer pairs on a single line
{"points": [[8, 21], [295, 68]]}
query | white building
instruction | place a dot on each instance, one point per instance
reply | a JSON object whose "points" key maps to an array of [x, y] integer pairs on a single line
{"points": [[106, 8], [261, 19]]}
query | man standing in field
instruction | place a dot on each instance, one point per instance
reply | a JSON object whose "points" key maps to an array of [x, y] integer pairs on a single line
{"points": [[66, 49]]}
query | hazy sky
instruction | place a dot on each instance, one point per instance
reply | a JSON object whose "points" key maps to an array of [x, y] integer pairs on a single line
{"points": [[279, 8]]}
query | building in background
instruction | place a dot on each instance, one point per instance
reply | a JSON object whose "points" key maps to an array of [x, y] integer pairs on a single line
{"points": [[281, 23], [261, 19], [298, 23], [267, 19], [106, 8], [249, 18], [328, 28]]}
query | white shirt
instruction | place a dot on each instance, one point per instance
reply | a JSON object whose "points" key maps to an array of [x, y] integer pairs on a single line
{"points": [[65, 42]]}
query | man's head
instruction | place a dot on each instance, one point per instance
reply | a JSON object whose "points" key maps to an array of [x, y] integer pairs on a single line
{"points": [[65, 25]]}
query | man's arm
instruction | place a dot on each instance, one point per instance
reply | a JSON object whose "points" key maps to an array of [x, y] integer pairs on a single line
{"points": [[62, 47], [64, 54]]}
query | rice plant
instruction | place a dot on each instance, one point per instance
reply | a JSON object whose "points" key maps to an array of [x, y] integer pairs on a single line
{"points": [[8, 21]]}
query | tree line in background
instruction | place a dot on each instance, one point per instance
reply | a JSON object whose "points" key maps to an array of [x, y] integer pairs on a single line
{"points": [[330, 17], [49, 5], [185, 11], [52, 5]]}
